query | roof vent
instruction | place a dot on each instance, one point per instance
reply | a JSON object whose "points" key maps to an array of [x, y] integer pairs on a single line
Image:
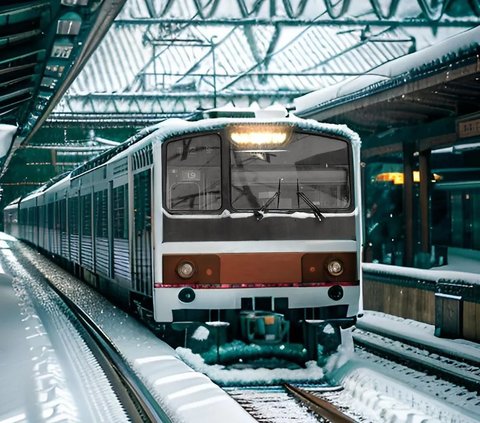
{"points": [[274, 111]]}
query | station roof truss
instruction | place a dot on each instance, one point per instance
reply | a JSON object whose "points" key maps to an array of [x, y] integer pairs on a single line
{"points": [[170, 58], [167, 59]]}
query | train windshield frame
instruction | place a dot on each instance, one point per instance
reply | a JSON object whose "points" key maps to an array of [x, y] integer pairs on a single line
{"points": [[206, 173], [309, 168]]}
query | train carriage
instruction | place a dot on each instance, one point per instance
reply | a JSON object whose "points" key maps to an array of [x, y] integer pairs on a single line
{"points": [[238, 220]]}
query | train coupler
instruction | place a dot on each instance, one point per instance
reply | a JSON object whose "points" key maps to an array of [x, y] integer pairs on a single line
{"points": [[264, 327]]}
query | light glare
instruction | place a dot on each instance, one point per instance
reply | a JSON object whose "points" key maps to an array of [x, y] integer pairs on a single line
{"points": [[259, 137], [275, 138]]}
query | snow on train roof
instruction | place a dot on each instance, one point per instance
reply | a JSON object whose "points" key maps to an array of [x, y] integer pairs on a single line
{"points": [[57, 182], [35, 193], [392, 73], [178, 127]]}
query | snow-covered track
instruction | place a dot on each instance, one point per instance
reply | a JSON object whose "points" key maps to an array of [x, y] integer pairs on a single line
{"points": [[135, 397], [469, 358], [320, 407], [461, 372], [83, 372], [284, 403]]}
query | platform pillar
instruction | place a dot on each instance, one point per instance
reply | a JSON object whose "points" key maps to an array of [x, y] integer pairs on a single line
{"points": [[408, 160], [425, 184]]}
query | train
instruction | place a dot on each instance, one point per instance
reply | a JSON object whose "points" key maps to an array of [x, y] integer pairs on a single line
{"points": [[253, 221]]}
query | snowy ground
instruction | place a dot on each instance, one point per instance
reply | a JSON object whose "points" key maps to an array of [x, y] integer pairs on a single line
{"points": [[389, 386], [384, 392], [462, 265]]}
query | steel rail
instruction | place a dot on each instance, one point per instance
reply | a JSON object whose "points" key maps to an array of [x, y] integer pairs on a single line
{"points": [[135, 397], [319, 406], [420, 363], [430, 347]]}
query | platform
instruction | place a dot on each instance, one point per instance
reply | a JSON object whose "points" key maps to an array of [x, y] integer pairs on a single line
{"points": [[37, 378]]}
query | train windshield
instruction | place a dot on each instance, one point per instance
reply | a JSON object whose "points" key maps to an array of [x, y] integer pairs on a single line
{"points": [[309, 169], [193, 178]]}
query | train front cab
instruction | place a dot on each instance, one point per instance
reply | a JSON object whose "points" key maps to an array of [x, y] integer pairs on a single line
{"points": [[250, 229]]}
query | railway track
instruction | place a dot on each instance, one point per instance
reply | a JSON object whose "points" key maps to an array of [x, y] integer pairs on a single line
{"points": [[87, 347], [285, 403], [460, 371], [135, 397], [319, 406]]}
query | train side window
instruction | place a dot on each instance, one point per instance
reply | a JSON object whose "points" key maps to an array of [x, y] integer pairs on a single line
{"points": [[73, 215], [62, 215], [87, 215], [50, 215], [193, 174], [101, 214], [120, 212]]}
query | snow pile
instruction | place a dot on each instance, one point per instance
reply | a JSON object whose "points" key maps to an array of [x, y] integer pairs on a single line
{"points": [[385, 399], [419, 333], [435, 274], [259, 376]]}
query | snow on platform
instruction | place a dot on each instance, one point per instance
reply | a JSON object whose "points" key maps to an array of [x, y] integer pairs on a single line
{"points": [[16, 365], [418, 333], [463, 265], [392, 73], [186, 395]]}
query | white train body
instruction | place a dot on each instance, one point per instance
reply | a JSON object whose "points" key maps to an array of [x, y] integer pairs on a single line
{"points": [[200, 221]]}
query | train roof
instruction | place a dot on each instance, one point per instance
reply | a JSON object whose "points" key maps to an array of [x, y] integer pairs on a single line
{"points": [[178, 127], [35, 193], [13, 203]]}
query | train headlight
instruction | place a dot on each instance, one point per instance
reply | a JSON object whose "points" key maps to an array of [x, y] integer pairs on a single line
{"points": [[185, 269], [259, 136], [335, 267]]}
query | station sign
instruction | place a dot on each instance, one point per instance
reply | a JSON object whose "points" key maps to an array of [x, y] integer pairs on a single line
{"points": [[468, 128]]}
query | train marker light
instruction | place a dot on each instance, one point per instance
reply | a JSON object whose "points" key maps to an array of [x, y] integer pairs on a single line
{"points": [[258, 137], [185, 269], [335, 267], [335, 292], [186, 295]]}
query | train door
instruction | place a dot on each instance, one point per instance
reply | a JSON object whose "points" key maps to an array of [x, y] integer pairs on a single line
{"points": [[142, 232], [35, 222]]}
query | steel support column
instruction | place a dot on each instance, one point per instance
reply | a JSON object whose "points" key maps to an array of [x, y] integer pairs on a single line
{"points": [[408, 163], [424, 164]]}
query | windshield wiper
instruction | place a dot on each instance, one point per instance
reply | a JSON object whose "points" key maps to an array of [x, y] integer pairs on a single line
{"points": [[316, 211], [261, 211]]}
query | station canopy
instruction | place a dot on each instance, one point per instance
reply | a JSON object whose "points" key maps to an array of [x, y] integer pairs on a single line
{"points": [[170, 58]]}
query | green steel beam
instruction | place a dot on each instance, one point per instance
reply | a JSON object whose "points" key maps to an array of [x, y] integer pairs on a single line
{"points": [[393, 23]]}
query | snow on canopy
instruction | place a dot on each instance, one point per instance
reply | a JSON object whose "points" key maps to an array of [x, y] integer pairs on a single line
{"points": [[396, 72], [139, 58]]}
